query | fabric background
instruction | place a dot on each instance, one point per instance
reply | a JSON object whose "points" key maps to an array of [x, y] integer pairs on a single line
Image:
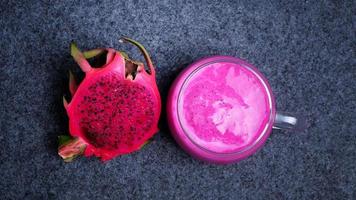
{"points": [[305, 48]]}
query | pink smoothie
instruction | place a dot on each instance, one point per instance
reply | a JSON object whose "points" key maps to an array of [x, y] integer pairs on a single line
{"points": [[224, 107]]}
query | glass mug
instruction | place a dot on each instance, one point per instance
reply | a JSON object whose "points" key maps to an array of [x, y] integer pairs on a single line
{"points": [[221, 110]]}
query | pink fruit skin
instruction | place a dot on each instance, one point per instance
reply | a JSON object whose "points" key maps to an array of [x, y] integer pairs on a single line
{"points": [[221, 109], [114, 136]]}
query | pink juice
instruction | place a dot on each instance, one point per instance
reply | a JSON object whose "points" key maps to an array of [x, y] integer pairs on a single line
{"points": [[221, 109], [224, 107]]}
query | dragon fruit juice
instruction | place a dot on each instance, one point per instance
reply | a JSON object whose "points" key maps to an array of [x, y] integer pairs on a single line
{"points": [[221, 109], [224, 107]]}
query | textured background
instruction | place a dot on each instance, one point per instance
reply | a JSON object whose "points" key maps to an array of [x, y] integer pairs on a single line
{"points": [[305, 48]]}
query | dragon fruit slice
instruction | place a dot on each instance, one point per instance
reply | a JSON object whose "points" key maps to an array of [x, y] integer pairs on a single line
{"points": [[115, 109]]}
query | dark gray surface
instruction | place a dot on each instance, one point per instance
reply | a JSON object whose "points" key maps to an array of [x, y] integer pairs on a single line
{"points": [[305, 48]]}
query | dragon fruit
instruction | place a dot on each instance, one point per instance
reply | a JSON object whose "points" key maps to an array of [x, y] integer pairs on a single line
{"points": [[115, 109]]}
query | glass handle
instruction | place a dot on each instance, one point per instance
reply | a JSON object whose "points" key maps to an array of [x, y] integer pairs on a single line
{"points": [[288, 121]]}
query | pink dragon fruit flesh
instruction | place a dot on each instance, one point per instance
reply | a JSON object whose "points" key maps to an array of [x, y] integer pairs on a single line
{"points": [[115, 109]]}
